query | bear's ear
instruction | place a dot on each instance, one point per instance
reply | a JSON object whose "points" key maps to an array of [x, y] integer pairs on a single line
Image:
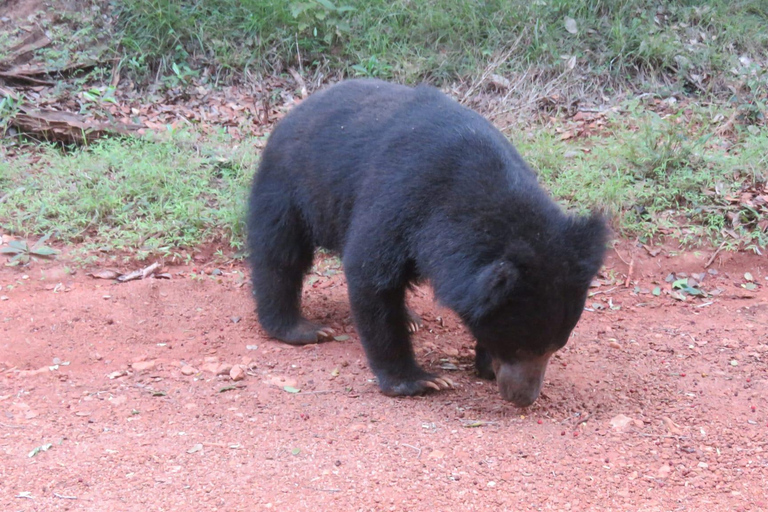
{"points": [[587, 237], [491, 287]]}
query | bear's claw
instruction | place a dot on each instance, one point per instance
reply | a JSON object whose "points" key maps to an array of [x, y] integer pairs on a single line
{"points": [[414, 321]]}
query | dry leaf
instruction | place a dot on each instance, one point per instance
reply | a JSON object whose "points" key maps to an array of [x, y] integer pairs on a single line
{"points": [[570, 25], [105, 274]]}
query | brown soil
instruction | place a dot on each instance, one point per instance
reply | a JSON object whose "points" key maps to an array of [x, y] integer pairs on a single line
{"points": [[101, 372]]}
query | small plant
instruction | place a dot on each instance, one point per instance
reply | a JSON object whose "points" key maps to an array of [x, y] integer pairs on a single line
{"points": [[95, 97], [323, 15], [372, 67], [9, 107], [22, 253], [182, 75]]}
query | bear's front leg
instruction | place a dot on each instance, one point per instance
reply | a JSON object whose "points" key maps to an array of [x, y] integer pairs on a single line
{"points": [[484, 363], [382, 322]]}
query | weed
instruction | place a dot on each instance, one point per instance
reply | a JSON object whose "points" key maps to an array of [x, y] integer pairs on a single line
{"points": [[321, 19], [9, 107], [23, 253], [182, 75]]}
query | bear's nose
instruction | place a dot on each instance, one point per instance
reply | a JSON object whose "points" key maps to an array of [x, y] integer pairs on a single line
{"points": [[520, 381]]}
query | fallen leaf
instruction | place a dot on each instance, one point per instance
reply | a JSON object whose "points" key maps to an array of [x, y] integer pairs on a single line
{"points": [[105, 274], [570, 25]]}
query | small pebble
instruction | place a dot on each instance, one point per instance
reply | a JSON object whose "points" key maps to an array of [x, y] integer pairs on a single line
{"points": [[236, 373], [142, 366], [224, 369]]}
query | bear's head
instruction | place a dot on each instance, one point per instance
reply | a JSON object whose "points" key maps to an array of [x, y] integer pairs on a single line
{"points": [[522, 306]]}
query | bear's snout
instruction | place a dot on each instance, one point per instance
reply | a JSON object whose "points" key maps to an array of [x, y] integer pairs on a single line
{"points": [[520, 381]]}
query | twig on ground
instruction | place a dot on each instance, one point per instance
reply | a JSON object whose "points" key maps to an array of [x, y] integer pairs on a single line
{"points": [[491, 68], [712, 258], [321, 490], [629, 272], [619, 255], [4, 425], [415, 448]]}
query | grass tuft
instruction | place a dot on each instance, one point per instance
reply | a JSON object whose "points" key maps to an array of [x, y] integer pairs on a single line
{"points": [[141, 195]]}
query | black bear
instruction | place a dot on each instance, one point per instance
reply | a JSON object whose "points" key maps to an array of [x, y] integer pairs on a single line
{"points": [[408, 185]]}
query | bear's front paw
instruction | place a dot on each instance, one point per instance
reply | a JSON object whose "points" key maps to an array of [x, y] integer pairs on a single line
{"points": [[393, 386], [306, 332]]}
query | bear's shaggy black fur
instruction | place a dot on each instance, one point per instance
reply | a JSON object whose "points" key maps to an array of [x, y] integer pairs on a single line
{"points": [[407, 184]]}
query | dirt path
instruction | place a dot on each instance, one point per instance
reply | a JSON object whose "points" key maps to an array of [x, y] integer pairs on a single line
{"points": [[138, 420]]}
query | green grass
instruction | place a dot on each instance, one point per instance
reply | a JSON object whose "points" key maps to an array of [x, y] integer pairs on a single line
{"points": [[137, 195], [659, 175], [654, 175], [686, 42]]}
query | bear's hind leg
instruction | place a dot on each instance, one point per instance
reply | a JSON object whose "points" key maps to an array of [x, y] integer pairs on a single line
{"points": [[281, 254], [414, 320]]}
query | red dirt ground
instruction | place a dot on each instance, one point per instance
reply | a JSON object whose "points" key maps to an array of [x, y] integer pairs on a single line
{"points": [[132, 427]]}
